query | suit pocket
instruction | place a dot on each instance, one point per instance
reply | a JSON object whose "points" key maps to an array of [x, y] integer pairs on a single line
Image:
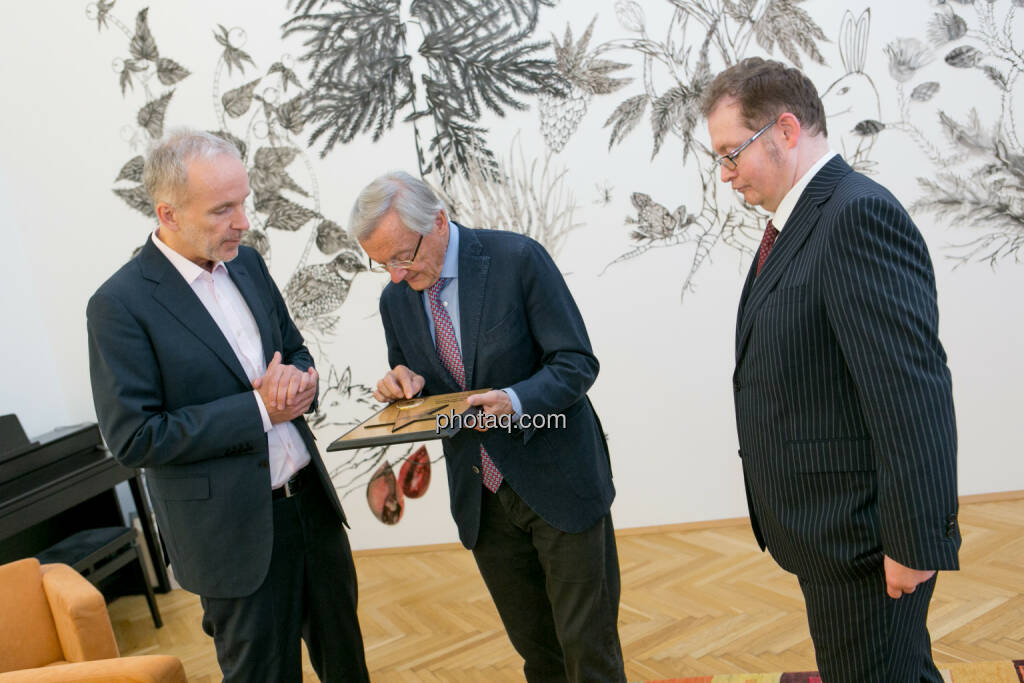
{"points": [[179, 488], [501, 340], [826, 513], [509, 323], [831, 455], [785, 296]]}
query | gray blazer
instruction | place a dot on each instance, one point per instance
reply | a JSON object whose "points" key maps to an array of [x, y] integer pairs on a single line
{"points": [[171, 397], [843, 399]]}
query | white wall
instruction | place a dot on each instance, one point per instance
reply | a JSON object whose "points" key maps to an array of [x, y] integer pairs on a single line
{"points": [[664, 392]]}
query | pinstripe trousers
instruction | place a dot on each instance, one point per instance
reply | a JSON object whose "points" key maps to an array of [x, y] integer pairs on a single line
{"points": [[861, 635]]}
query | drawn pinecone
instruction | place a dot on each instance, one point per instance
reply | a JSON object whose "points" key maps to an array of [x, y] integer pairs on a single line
{"points": [[584, 76], [561, 116]]}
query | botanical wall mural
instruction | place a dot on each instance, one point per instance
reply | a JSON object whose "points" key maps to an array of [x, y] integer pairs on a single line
{"points": [[978, 169], [459, 71]]}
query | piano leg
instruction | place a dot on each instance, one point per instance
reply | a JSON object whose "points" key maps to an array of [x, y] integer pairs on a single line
{"points": [[149, 532]]}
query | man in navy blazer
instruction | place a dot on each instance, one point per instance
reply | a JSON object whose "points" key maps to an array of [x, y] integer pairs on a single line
{"points": [[200, 376], [843, 399], [470, 309]]}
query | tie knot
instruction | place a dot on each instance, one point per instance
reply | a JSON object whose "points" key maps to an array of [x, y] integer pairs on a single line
{"points": [[434, 290]]}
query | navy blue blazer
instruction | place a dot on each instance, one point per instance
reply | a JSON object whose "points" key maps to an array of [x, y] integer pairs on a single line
{"points": [[843, 399], [172, 397], [520, 328]]}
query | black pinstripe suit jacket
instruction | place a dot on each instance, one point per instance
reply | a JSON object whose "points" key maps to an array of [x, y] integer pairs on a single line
{"points": [[843, 399]]}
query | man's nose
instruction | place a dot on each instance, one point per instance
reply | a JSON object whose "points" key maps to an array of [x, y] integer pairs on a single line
{"points": [[242, 223], [397, 274], [727, 173]]}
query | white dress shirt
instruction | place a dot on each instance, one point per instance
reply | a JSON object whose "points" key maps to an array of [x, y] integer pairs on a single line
{"points": [[788, 202], [225, 304]]}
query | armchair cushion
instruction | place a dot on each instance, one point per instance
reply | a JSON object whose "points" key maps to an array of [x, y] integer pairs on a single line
{"points": [[54, 626], [28, 636], [79, 615], [142, 669]]}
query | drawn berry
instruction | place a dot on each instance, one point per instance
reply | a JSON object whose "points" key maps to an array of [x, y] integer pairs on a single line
{"points": [[414, 477], [383, 495]]}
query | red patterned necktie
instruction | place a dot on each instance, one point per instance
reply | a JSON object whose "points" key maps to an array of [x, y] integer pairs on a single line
{"points": [[770, 233], [451, 357]]}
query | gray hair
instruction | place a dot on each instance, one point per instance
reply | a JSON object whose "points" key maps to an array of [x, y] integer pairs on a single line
{"points": [[415, 202], [165, 173]]}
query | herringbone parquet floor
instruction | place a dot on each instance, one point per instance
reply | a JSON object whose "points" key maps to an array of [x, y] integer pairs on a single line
{"points": [[696, 600]]}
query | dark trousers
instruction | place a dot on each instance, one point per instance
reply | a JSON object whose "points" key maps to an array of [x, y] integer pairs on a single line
{"points": [[557, 593], [861, 635], [310, 592]]}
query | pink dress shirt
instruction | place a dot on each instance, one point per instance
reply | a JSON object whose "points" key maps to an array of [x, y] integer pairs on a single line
{"points": [[225, 304]]}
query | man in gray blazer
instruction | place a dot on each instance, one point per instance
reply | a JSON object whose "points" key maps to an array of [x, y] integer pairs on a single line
{"points": [[843, 399], [200, 376], [469, 309]]}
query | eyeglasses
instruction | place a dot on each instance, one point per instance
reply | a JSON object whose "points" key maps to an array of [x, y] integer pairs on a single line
{"points": [[729, 160], [391, 265]]}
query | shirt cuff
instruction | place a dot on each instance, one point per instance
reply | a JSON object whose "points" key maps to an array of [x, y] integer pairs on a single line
{"points": [[517, 406], [267, 424]]}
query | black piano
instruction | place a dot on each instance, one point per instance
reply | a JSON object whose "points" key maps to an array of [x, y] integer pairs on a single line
{"points": [[61, 483]]}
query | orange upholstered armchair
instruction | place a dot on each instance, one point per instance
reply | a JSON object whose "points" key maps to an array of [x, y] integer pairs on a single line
{"points": [[54, 627]]}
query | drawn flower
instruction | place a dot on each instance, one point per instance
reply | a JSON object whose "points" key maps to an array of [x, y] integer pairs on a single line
{"points": [[946, 27], [906, 56]]}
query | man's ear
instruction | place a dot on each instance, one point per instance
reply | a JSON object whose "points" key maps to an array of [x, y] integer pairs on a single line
{"points": [[441, 222], [791, 129], [166, 215]]}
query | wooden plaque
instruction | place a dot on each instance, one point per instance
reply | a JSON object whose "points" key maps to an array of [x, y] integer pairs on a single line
{"points": [[405, 421]]}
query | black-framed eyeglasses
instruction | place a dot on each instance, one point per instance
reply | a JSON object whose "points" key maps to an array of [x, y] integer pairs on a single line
{"points": [[729, 160], [391, 265]]}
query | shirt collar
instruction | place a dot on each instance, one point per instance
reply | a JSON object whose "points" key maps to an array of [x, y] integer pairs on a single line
{"points": [[450, 269], [190, 271], [788, 202]]}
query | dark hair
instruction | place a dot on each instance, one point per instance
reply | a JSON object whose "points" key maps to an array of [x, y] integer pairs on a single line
{"points": [[765, 89]]}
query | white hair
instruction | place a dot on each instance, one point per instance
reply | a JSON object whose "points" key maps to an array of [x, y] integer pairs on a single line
{"points": [[413, 200], [165, 173]]}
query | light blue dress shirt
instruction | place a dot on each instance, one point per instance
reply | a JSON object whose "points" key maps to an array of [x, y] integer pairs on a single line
{"points": [[450, 300]]}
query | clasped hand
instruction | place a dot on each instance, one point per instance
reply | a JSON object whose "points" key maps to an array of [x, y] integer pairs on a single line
{"points": [[287, 392]]}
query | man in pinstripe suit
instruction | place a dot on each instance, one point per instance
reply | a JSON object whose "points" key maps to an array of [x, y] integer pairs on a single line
{"points": [[843, 399]]}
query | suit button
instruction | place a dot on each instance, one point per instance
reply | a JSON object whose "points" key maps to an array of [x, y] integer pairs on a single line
{"points": [[264, 464], [950, 526], [476, 470], [735, 385]]}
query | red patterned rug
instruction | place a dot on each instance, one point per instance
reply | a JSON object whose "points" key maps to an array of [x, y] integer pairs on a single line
{"points": [[975, 672]]}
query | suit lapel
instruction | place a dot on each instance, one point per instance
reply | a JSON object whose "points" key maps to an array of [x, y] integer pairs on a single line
{"points": [[747, 285], [796, 231], [174, 294], [240, 276], [415, 317], [473, 267]]}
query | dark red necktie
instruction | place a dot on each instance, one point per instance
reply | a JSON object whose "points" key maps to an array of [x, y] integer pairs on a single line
{"points": [[450, 355], [770, 233]]}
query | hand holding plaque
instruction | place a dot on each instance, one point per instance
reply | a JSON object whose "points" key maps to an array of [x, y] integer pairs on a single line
{"points": [[407, 420]]}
